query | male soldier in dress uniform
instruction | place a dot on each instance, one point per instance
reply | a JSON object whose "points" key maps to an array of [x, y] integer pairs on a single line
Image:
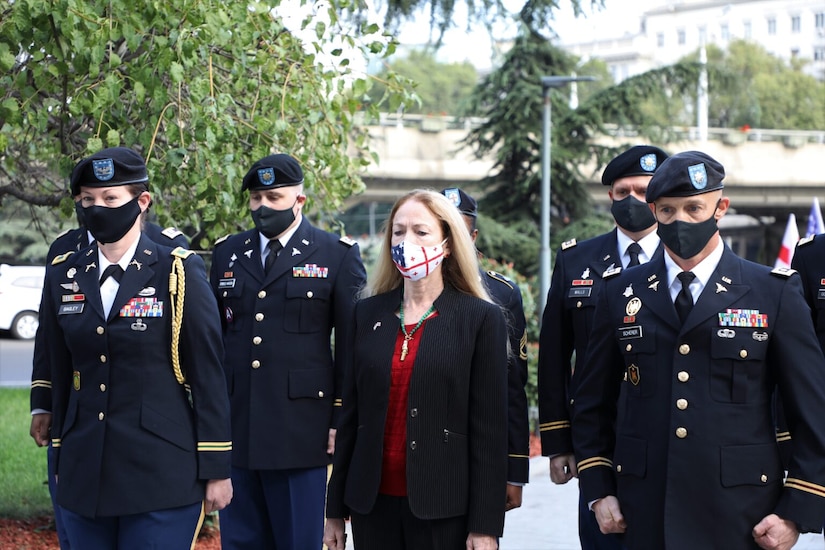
{"points": [[282, 288], [673, 426], [72, 240], [580, 271], [507, 294]]}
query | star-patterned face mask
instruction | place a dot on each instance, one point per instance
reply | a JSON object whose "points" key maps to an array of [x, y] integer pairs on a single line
{"points": [[415, 261]]}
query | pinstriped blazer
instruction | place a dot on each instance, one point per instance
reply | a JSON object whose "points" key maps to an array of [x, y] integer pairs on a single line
{"points": [[456, 420]]}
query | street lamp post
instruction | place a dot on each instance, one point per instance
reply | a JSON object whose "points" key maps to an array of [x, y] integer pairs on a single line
{"points": [[547, 83]]}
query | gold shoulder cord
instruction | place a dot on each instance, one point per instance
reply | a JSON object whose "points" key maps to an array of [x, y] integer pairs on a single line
{"points": [[177, 291]]}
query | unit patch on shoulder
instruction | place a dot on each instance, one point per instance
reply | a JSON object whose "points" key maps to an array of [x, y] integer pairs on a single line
{"points": [[500, 278], [181, 252], [347, 240], [171, 232], [806, 240], [221, 239], [568, 244], [783, 272], [62, 258]]}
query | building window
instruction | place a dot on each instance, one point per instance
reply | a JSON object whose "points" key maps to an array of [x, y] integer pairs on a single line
{"points": [[796, 25], [724, 32], [660, 40], [819, 20], [772, 26], [819, 53], [680, 37], [703, 34], [747, 29]]}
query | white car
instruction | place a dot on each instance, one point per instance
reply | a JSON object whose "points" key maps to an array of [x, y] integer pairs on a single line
{"points": [[20, 290]]}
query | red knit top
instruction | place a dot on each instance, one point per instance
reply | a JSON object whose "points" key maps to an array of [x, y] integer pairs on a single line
{"points": [[394, 463]]}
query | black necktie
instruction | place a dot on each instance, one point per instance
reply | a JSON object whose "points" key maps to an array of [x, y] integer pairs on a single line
{"points": [[114, 271], [684, 300], [274, 247], [633, 251]]}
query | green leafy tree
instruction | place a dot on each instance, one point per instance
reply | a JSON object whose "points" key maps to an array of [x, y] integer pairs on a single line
{"points": [[202, 89], [442, 88]]}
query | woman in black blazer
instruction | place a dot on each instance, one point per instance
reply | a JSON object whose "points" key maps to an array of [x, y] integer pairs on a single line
{"points": [[421, 449]]}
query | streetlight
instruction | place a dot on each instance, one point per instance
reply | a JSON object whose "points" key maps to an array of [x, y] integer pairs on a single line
{"points": [[547, 83]]}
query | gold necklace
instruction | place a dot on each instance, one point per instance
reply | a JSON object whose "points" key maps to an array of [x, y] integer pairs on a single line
{"points": [[409, 335]]}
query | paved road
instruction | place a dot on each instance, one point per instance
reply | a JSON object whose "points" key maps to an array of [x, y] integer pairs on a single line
{"points": [[15, 362]]}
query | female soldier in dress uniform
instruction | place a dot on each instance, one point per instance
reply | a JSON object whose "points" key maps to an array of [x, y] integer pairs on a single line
{"points": [[141, 414]]}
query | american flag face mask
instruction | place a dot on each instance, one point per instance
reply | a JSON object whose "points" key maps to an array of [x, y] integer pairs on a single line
{"points": [[415, 261]]}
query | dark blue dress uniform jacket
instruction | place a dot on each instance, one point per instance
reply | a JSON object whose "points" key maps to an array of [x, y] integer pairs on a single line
{"points": [[693, 457], [127, 439], [282, 377], [507, 294], [578, 276], [457, 422], [75, 240]]}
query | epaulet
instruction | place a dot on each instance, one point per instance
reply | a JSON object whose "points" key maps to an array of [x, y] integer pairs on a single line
{"points": [[783, 272], [220, 240], [568, 244], [64, 233], [806, 240], [62, 258], [181, 252], [500, 278], [347, 240], [171, 232]]}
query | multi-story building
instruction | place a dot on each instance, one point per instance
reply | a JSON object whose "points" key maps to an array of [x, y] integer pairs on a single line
{"points": [[786, 28]]}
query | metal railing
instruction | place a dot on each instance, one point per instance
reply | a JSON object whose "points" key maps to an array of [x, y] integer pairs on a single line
{"points": [[730, 136]]}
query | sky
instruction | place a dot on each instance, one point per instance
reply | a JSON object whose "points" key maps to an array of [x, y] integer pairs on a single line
{"points": [[475, 47]]}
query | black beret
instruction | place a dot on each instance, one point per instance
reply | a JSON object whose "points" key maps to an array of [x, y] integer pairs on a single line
{"points": [[464, 202], [108, 168], [640, 160], [279, 170], [684, 175]]}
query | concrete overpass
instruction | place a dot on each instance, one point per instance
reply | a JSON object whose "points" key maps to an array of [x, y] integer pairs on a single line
{"points": [[769, 172]]}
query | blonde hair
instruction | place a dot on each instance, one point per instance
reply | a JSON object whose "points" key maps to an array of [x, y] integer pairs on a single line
{"points": [[459, 269]]}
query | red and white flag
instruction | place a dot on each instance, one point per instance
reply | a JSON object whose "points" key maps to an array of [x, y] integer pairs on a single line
{"points": [[788, 243]]}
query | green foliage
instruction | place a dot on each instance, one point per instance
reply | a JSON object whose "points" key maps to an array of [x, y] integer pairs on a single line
{"points": [[23, 489], [442, 88], [763, 91], [511, 99], [516, 243], [202, 89]]}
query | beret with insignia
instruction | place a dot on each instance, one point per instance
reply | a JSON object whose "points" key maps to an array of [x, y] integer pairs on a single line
{"points": [[108, 168], [273, 171], [641, 160], [686, 174], [465, 203]]}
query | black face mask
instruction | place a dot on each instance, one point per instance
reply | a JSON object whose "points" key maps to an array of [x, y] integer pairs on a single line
{"points": [[273, 222], [687, 239], [109, 225], [632, 214]]}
